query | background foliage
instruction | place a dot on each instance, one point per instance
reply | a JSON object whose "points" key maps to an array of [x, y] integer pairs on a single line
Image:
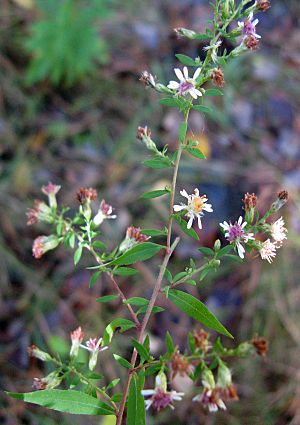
{"points": [[70, 104]]}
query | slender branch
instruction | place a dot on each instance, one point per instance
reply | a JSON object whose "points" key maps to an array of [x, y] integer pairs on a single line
{"points": [[117, 288], [169, 250]]}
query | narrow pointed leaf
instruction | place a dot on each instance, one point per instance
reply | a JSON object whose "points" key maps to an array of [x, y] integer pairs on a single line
{"points": [[69, 401], [197, 310], [136, 406], [140, 252]]}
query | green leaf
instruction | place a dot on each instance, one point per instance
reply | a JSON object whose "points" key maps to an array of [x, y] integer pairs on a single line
{"points": [[195, 152], [202, 108], [99, 245], [77, 255], [113, 384], [153, 232], [155, 309], [137, 301], [197, 310], [170, 101], [186, 60], [107, 298], [94, 278], [158, 163], [140, 252], [182, 131], [168, 275], [125, 271], [123, 362], [123, 324], [183, 224], [169, 343], [179, 276], [206, 251], [143, 352], [136, 406], [154, 194], [202, 37], [234, 258], [69, 401], [213, 92], [224, 251]]}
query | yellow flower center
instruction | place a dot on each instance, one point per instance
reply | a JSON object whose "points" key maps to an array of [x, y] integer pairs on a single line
{"points": [[197, 204]]}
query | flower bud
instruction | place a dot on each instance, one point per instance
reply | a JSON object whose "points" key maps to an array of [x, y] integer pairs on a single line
{"points": [[250, 201], [43, 244], [208, 380], [76, 338], [217, 245], [148, 79], [144, 134], [244, 349], [281, 200], [133, 237], [263, 5], [224, 376], [51, 190], [161, 381], [48, 382], [34, 351], [184, 32], [40, 213]]}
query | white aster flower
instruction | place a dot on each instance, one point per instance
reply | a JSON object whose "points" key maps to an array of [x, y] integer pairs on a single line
{"points": [[195, 206], [186, 84], [268, 251], [214, 50], [248, 26], [160, 397], [278, 231], [236, 234]]}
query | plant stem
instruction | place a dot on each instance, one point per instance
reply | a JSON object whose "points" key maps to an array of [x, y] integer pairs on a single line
{"points": [[169, 250]]}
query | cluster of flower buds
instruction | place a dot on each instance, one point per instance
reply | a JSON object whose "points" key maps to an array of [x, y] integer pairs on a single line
{"points": [[42, 212], [132, 238]]}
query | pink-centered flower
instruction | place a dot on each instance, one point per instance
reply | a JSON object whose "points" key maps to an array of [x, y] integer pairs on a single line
{"points": [[160, 397], [249, 26], [236, 234], [187, 85], [104, 212], [195, 206], [268, 251], [278, 231], [93, 345]]}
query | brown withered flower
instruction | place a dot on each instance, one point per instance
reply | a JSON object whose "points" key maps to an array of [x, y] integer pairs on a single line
{"points": [[217, 76], [39, 384], [263, 5], [251, 42], [180, 365], [261, 345], [201, 338], [86, 195]]}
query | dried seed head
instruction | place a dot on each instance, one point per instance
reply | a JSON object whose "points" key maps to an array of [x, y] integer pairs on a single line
{"points": [[201, 338], [281, 200], [263, 5], [261, 345], [86, 195], [180, 364], [217, 75], [143, 132], [251, 42], [148, 79], [250, 201]]}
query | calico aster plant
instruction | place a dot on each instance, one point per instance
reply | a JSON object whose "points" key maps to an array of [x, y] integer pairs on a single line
{"points": [[82, 389]]}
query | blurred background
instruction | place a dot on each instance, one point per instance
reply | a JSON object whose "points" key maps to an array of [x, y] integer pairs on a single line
{"points": [[70, 104]]}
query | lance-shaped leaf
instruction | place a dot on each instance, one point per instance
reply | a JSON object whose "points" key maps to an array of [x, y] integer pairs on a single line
{"points": [[123, 324], [69, 401], [196, 309], [140, 252], [136, 405], [154, 194]]}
